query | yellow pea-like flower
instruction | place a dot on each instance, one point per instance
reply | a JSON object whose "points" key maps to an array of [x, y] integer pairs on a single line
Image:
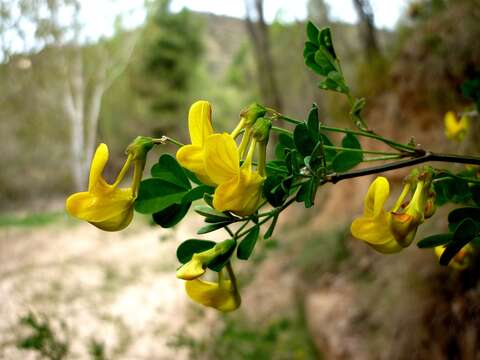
{"points": [[456, 129], [104, 205], [221, 297], [239, 187], [461, 260], [374, 226], [192, 156]]}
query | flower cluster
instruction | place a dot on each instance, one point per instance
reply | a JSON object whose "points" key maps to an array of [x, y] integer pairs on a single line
{"points": [[391, 231], [215, 159]]}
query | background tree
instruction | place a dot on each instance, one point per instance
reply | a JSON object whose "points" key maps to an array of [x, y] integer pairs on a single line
{"points": [[259, 35], [367, 28]]}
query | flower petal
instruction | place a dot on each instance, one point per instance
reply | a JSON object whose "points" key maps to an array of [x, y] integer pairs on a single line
{"points": [[240, 194], [98, 164], [200, 122], [192, 157], [210, 294], [100, 207], [221, 158], [376, 197], [117, 222]]}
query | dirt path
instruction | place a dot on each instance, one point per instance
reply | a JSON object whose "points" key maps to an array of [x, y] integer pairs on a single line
{"points": [[117, 288]]}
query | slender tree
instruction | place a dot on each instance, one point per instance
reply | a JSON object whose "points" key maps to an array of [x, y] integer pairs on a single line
{"points": [[259, 35], [367, 28]]}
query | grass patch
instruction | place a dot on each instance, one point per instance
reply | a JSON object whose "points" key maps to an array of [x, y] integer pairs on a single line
{"points": [[31, 220]]}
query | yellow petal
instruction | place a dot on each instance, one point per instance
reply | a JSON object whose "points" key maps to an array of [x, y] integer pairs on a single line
{"points": [[210, 294], [241, 194], [192, 157], [192, 269], [221, 158], [117, 222], [98, 164], [100, 207], [376, 197], [200, 122]]}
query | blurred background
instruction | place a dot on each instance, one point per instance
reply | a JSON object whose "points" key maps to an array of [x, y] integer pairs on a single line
{"points": [[75, 73]]}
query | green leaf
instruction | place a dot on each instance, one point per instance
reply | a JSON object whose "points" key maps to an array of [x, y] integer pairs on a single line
{"points": [[210, 212], [335, 82], [208, 198], [329, 153], [273, 192], [452, 190], [213, 227], [193, 178], [172, 215], [155, 195], [245, 248], [350, 141], [458, 215], [435, 240], [271, 228], [309, 49], [189, 247], [169, 170], [276, 167], [312, 33], [345, 160], [325, 39], [312, 64], [358, 106], [475, 190], [324, 61], [313, 124], [285, 142], [303, 141], [198, 193], [464, 233]]}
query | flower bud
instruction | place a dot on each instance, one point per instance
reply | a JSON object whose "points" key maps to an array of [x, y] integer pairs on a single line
{"points": [[261, 130], [140, 147], [252, 113]]}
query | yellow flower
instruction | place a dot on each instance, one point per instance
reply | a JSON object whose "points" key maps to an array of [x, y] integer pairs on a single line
{"points": [[221, 296], [200, 127], [239, 187], [455, 129], [373, 227], [461, 260], [104, 205]]}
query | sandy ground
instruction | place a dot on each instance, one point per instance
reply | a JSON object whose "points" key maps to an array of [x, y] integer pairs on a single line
{"points": [[117, 288]]}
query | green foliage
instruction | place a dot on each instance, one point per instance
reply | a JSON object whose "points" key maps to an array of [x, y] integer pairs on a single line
{"points": [[345, 160], [172, 50], [320, 56], [189, 247], [471, 90], [247, 245], [42, 338], [168, 195]]}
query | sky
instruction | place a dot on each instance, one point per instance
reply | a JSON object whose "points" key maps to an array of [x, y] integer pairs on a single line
{"points": [[98, 16], [99, 19]]}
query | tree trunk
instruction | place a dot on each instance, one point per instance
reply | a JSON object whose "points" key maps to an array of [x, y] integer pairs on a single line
{"points": [[367, 28], [259, 35]]}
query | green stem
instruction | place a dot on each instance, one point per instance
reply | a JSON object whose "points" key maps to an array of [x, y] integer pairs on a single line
{"points": [[386, 157], [164, 139], [362, 151]]}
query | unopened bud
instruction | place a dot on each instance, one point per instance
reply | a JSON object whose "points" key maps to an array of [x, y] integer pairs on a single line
{"points": [[261, 129], [140, 147], [252, 113]]}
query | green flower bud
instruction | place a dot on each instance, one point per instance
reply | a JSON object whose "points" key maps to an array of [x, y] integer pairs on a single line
{"points": [[252, 113], [261, 130], [140, 147]]}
